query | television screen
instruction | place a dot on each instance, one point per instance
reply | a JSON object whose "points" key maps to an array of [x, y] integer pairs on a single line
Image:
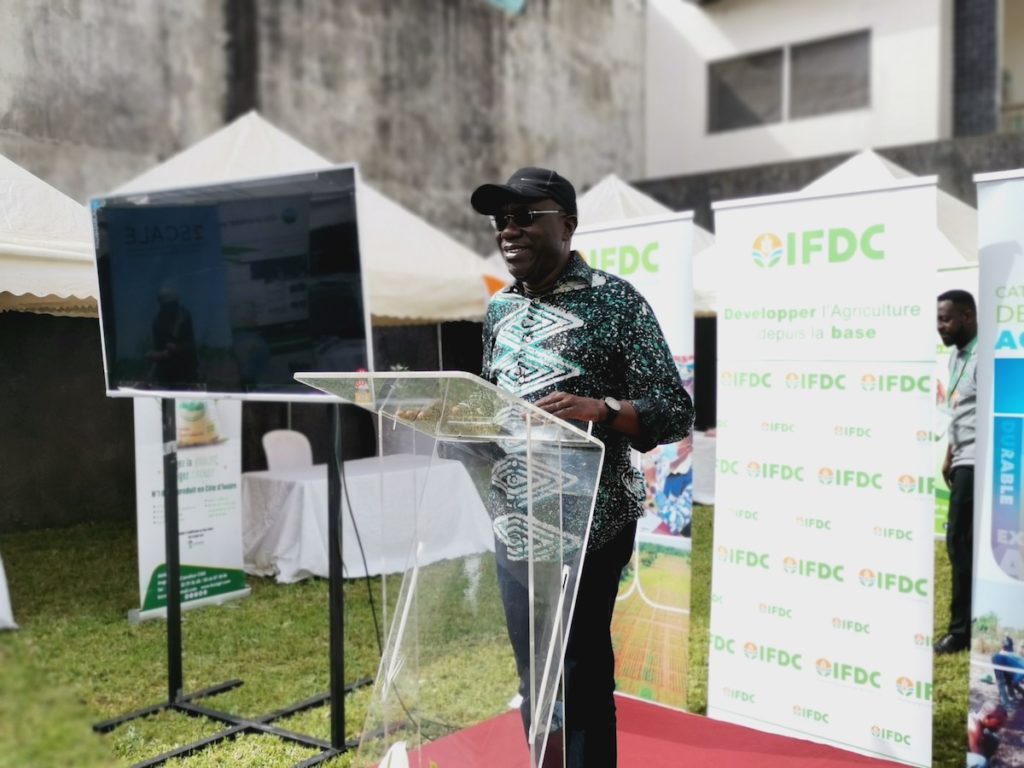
{"points": [[229, 289]]}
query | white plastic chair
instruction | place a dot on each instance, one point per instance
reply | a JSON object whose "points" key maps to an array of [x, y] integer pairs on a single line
{"points": [[287, 449]]}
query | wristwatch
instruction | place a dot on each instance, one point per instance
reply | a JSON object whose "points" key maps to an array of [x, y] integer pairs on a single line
{"points": [[614, 409]]}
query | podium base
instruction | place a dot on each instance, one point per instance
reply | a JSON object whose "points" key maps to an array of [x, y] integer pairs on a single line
{"points": [[237, 726]]}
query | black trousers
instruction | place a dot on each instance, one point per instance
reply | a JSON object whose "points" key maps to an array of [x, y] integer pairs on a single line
{"points": [[589, 681], [959, 547]]}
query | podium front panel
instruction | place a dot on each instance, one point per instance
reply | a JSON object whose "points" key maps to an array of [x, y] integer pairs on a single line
{"points": [[483, 608]]}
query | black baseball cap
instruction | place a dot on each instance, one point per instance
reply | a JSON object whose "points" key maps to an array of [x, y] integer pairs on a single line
{"points": [[524, 186]]}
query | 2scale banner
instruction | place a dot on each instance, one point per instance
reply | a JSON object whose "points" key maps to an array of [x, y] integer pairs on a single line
{"points": [[821, 609], [995, 724], [651, 620], [209, 503]]}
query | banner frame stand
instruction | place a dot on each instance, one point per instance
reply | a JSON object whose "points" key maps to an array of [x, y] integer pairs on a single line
{"points": [[177, 699]]}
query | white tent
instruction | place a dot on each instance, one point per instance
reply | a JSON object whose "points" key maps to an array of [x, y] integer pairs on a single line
{"points": [[954, 243], [612, 199], [46, 249], [415, 272]]}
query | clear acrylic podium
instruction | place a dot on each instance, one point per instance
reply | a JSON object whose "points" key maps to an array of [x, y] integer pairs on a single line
{"points": [[448, 662]]}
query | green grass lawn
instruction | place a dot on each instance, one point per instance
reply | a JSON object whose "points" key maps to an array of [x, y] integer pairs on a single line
{"points": [[77, 660]]}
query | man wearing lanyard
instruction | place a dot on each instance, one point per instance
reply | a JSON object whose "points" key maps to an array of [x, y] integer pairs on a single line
{"points": [[957, 322]]}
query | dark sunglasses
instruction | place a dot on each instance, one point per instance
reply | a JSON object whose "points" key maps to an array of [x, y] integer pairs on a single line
{"points": [[521, 217]]}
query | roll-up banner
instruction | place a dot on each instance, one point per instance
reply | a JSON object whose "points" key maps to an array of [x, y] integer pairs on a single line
{"points": [[651, 621], [209, 450], [995, 725], [821, 610]]}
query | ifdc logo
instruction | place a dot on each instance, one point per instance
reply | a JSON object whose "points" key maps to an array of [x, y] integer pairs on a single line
{"points": [[923, 485], [915, 689], [868, 382], [848, 673], [893, 582], [767, 250], [814, 569], [743, 557], [850, 625], [888, 734], [766, 654], [775, 610], [736, 694], [754, 470], [807, 713], [897, 534], [825, 476], [792, 380]]}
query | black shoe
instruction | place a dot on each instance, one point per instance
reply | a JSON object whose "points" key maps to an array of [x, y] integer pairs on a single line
{"points": [[952, 644]]}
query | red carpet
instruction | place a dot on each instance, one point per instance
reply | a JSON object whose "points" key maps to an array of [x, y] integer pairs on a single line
{"points": [[649, 737]]}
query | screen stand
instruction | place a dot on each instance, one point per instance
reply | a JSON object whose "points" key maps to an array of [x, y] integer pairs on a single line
{"points": [[335, 580], [177, 699]]}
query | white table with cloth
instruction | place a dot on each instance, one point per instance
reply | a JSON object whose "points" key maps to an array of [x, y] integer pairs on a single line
{"points": [[6, 614], [704, 467], [284, 517]]}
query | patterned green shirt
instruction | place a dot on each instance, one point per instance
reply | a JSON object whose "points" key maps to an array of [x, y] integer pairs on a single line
{"points": [[592, 335]]}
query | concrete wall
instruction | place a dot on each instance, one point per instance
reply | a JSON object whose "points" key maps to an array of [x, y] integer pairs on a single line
{"points": [[434, 98], [431, 98], [976, 83], [95, 91], [911, 99]]}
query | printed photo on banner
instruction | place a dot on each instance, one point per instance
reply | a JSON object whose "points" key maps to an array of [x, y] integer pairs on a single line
{"points": [[209, 460], [651, 620], [995, 723]]}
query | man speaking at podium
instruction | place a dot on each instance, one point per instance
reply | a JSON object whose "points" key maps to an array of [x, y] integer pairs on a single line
{"points": [[602, 359]]}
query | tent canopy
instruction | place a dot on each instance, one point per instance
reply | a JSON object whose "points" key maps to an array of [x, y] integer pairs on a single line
{"points": [[954, 243], [415, 273], [46, 248], [611, 199], [951, 244]]}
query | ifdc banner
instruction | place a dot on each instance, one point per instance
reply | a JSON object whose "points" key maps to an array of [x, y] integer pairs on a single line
{"points": [[651, 621], [821, 608], [209, 502], [995, 723]]}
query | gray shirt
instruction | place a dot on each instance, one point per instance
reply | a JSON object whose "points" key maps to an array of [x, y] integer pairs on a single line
{"points": [[962, 399]]}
